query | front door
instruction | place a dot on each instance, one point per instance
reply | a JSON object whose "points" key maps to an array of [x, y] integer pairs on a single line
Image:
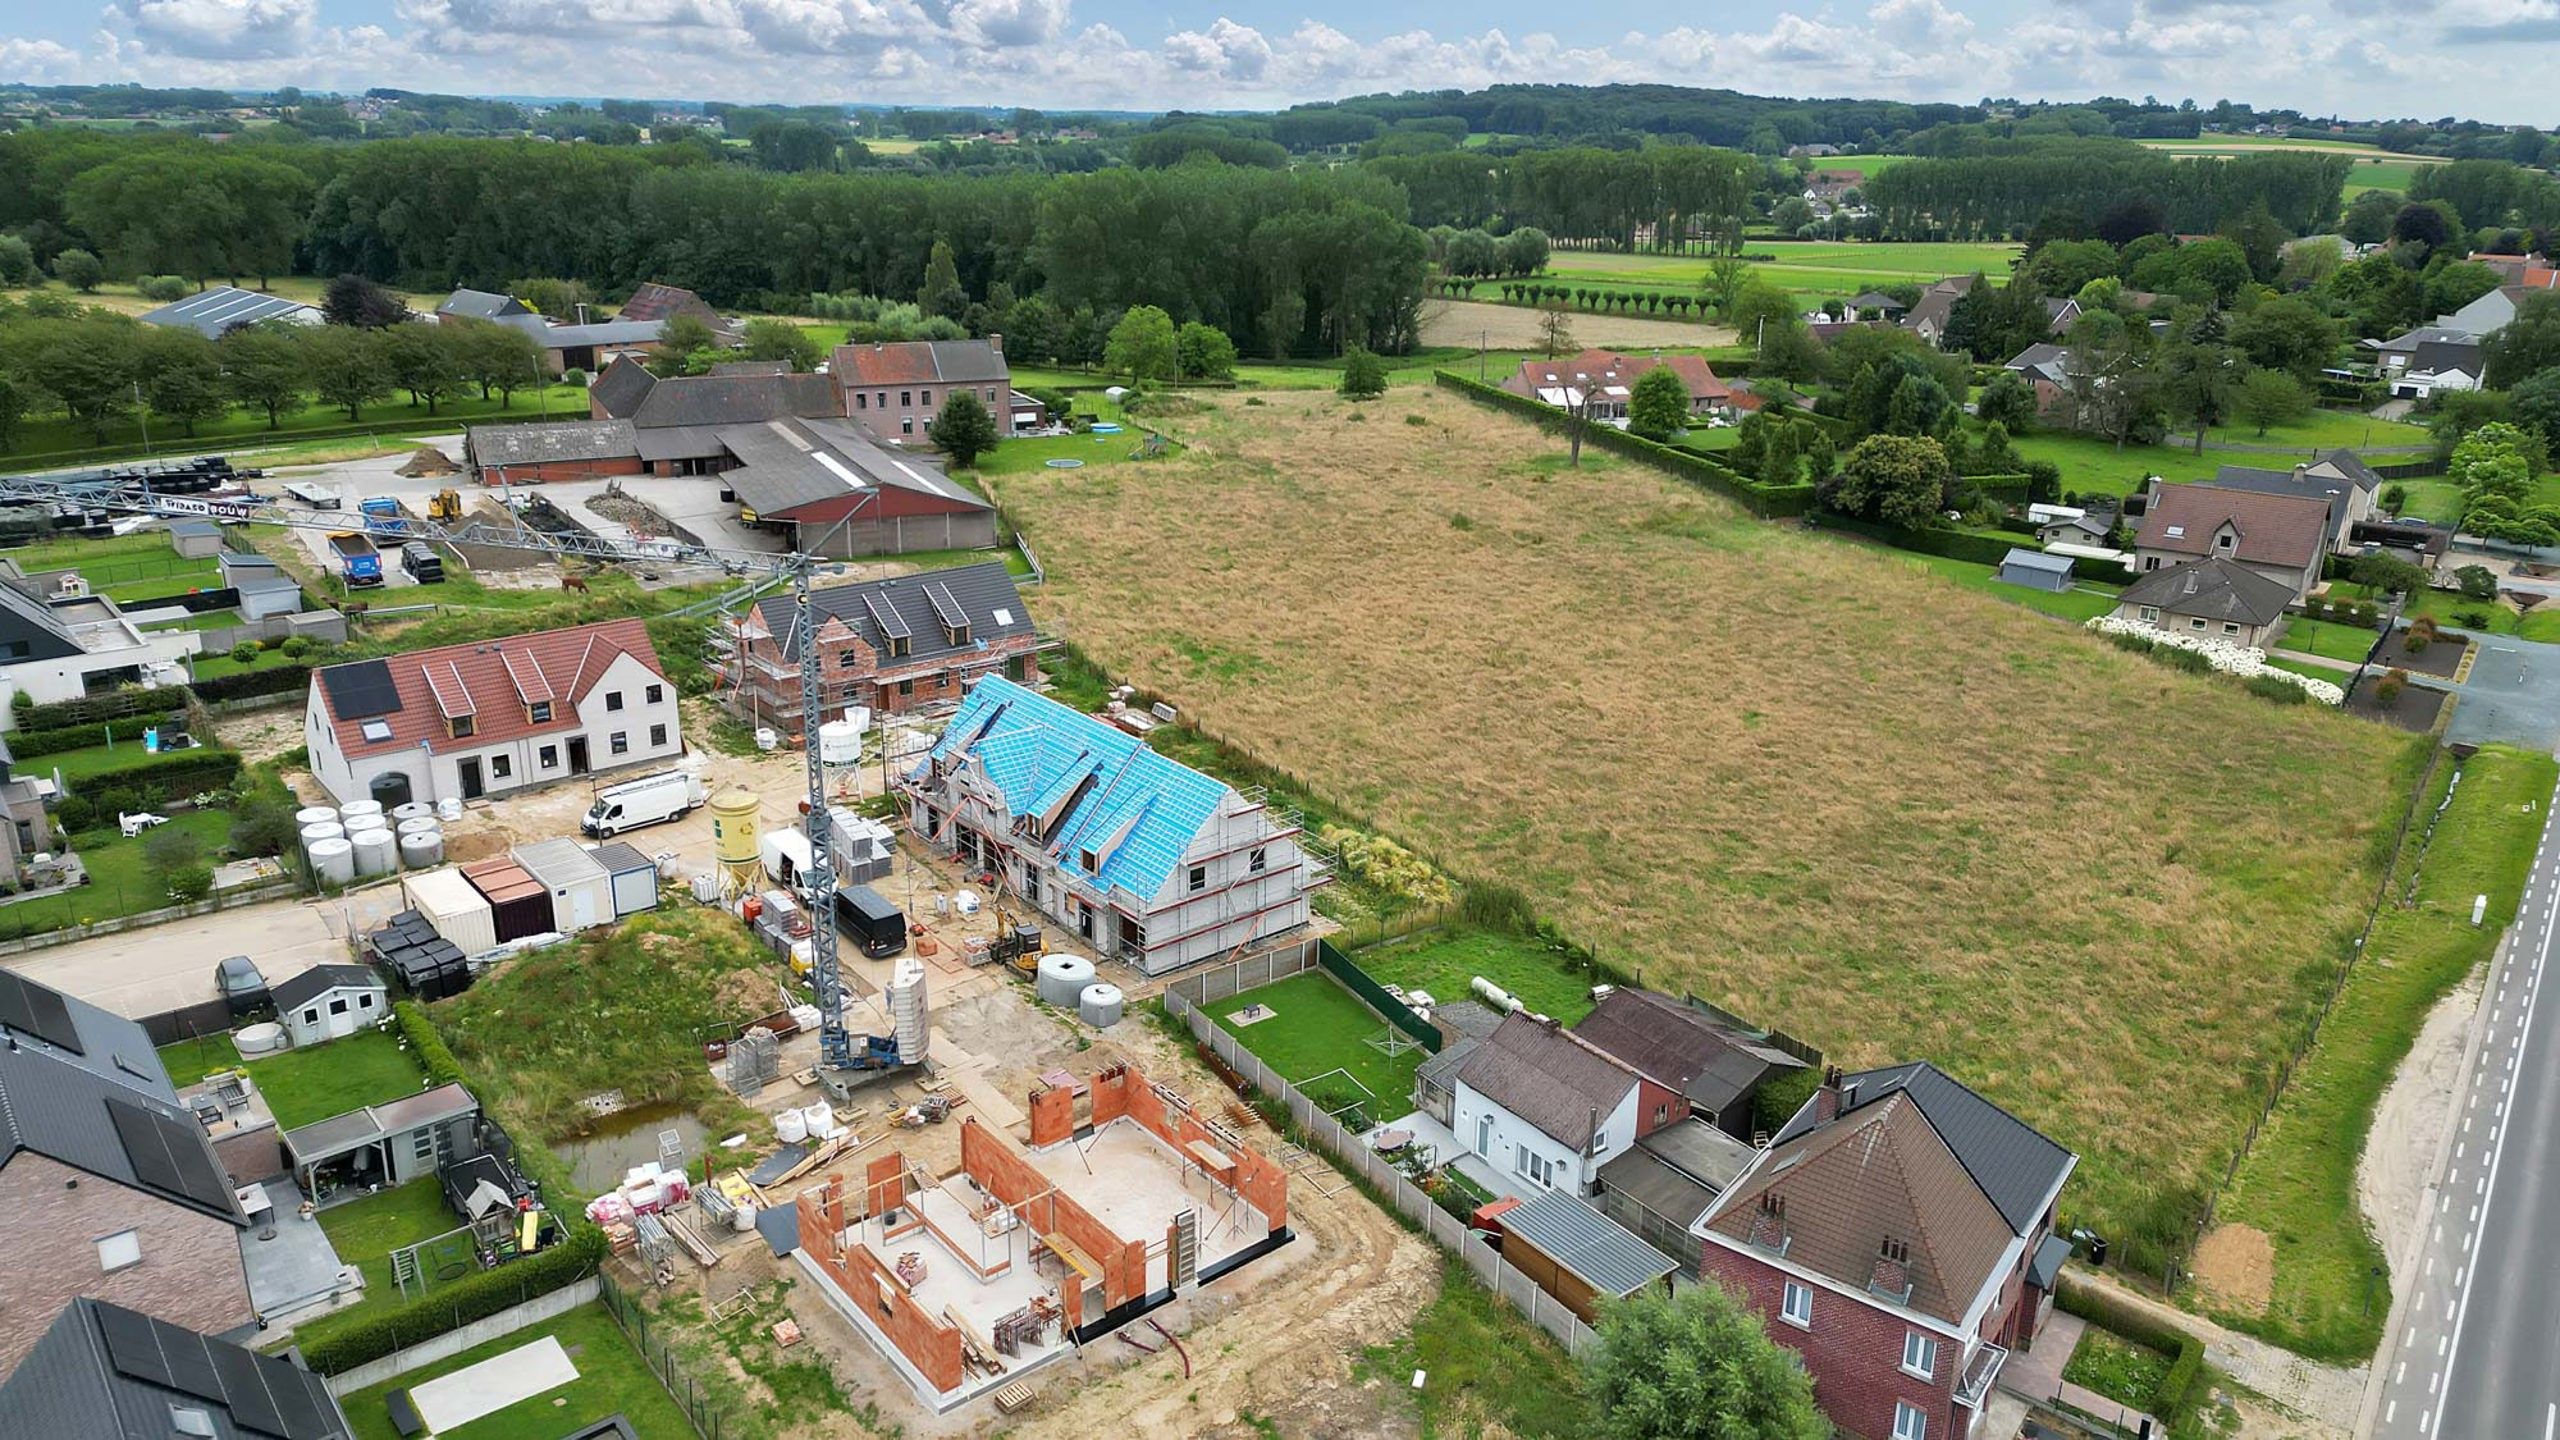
{"points": [[471, 786], [578, 755], [1484, 1135], [342, 1019]]}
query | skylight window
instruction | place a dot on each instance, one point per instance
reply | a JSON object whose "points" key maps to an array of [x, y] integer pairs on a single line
{"points": [[377, 730]]}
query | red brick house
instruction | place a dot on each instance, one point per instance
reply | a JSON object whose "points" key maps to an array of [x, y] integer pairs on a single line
{"points": [[890, 645], [895, 388], [1898, 1235], [1705, 1069]]}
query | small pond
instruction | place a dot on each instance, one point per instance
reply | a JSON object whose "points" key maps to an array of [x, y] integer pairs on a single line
{"points": [[599, 1158]]}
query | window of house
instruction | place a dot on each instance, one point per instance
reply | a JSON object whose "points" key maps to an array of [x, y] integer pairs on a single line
{"points": [[613, 699], [120, 1251], [2230, 627], [899, 645], [1199, 878], [338, 1006], [2195, 624], [365, 1001], [621, 742], [1256, 861], [2150, 614], [655, 694], [1090, 861], [884, 400], [462, 727], [906, 397], [1920, 1354], [423, 1145], [2222, 543], [13, 650], [1538, 1168], [990, 394], [501, 766], [657, 736], [927, 401], [2150, 562], [1908, 1422], [550, 757], [541, 712], [1796, 1306], [906, 425], [906, 687], [311, 1016], [956, 634]]}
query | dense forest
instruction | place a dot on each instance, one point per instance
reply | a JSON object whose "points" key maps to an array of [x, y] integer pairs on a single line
{"points": [[2002, 188]]}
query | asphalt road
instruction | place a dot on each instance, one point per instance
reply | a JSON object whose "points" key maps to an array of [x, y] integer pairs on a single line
{"points": [[2477, 1356], [2512, 694]]}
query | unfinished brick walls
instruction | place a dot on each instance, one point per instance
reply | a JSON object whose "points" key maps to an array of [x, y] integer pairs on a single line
{"points": [[928, 1344], [1122, 1091], [1010, 1178], [1053, 1116]]}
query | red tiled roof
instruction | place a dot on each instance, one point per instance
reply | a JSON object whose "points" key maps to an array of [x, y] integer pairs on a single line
{"points": [[1609, 366], [901, 363], [2287, 530], [495, 682], [653, 301]]}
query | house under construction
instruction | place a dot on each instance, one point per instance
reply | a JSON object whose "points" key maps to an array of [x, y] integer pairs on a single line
{"points": [[969, 1280], [1147, 859], [889, 646]]}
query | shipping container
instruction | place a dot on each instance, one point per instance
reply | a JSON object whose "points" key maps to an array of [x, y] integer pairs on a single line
{"points": [[519, 904], [581, 892], [458, 912]]}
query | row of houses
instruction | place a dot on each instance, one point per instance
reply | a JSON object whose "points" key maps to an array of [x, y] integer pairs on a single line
{"points": [[1896, 1231]]}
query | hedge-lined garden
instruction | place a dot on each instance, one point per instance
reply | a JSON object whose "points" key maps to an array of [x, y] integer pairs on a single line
{"points": [[1701, 470]]}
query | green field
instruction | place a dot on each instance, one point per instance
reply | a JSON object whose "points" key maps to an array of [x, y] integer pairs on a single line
{"points": [[1812, 268], [2374, 169], [2084, 601], [2298, 1185], [1446, 964], [612, 1380], [2093, 465], [53, 439], [1317, 1028], [2321, 429]]}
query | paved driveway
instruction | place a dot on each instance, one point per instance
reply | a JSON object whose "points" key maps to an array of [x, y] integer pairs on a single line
{"points": [[2512, 694], [148, 972]]}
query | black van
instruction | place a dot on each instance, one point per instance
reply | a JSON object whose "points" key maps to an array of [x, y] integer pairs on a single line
{"points": [[878, 926]]}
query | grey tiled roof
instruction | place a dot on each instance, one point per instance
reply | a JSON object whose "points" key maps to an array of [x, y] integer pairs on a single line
{"points": [[1547, 1077], [107, 1372], [553, 442], [621, 386], [979, 590], [2013, 1163], [2213, 589], [319, 980]]}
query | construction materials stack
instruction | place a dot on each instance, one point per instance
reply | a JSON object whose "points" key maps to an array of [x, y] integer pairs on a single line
{"points": [[426, 965], [907, 1021], [755, 1058]]}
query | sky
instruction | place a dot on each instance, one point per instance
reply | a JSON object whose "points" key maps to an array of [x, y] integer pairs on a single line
{"points": [[2478, 59]]}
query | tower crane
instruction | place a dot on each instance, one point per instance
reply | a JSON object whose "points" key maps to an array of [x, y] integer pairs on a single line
{"points": [[129, 492]]}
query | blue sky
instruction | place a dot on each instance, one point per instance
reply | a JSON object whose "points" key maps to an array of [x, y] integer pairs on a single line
{"points": [[2485, 59]]}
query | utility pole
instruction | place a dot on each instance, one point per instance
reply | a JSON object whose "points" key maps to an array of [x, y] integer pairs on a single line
{"points": [[142, 414]]}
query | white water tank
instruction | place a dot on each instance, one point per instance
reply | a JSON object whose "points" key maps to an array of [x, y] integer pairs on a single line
{"points": [[418, 824], [1494, 995], [1063, 978], [377, 852], [1099, 1005], [315, 815], [315, 831], [334, 861], [839, 743], [422, 849], [354, 812], [408, 810]]}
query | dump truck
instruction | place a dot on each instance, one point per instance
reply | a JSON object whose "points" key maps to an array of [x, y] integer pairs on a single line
{"points": [[382, 516], [359, 564]]}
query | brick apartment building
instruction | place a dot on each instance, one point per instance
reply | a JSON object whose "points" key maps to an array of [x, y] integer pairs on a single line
{"points": [[1898, 1235], [888, 645]]}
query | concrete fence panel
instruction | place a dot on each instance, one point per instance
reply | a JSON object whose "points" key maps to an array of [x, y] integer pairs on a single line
{"points": [[453, 1342]]}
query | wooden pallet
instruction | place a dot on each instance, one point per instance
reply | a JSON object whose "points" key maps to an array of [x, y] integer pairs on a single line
{"points": [[1013, 1397]]}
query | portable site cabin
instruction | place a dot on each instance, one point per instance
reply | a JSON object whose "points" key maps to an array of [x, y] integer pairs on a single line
{"points": [[581, 891], [456, 910], [633, 876], [519, 905]]}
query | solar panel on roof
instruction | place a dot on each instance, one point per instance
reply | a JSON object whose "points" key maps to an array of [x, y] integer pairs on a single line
{"points": [[132, 1347], [31, 1009], [302, 1413], [246, 1391], [361, 689], [167, 1156], [190, 1358]]}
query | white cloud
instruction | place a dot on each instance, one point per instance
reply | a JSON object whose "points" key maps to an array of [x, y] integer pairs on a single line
{"points": [[2354, 56]]}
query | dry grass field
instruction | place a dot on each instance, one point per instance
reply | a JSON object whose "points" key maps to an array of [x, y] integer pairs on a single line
{"points": [[1839, 794], [1467, 323]]}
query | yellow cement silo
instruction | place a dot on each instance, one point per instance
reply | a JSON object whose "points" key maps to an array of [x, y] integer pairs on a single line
{"points": [[734, 840]]}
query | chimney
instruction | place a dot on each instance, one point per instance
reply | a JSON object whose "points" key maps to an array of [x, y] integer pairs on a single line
{"points": [[996, 342], [1826, 1101]]}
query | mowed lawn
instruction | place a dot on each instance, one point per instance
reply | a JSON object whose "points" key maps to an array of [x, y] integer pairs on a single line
{"points": [[1445, 964], [1317, 1027], [1813, 784], [612, 1380]]}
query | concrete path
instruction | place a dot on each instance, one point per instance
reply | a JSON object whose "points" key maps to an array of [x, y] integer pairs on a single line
{"points": [[2330, 1394], [493, 1384]]}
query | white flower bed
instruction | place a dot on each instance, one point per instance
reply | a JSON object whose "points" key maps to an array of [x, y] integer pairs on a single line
{"points": [[2246, 661]]}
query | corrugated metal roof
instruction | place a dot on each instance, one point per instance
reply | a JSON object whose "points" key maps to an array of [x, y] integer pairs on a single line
{"points": [[1152, 807], [211, 312], [1603, 1252], [559, 863]]}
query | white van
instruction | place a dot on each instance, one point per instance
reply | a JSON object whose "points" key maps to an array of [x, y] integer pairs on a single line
{"points": [[667, 795]]}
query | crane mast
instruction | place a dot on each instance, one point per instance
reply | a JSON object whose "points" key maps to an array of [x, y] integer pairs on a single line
{"points": [[130, 493]]}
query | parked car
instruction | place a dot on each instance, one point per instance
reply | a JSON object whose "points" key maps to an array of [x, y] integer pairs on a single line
{"points": [[242, 987], [872, 920]]}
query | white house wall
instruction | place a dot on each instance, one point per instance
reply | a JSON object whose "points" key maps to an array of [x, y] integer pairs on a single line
{"points": [[1514, 1138], [438, 774], [67, 678]]}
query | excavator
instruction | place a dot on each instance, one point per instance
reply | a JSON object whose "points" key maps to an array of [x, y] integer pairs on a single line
{"points": [[445, 506]]}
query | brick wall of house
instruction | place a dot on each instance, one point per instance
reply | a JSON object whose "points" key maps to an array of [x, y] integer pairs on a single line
{"points": [[1853, 1351], [847, 660], [190, 1273], [1020, 1185], [561, 470], [1121, 1090], [1658, 1106], [928, 1344]]}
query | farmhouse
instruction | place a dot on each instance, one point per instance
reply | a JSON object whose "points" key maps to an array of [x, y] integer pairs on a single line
{"points": [[1600, 382], [895, 389], [827, 489], [2282, 537], [2213, 596], [327, 1002], [1711, 1071], [112, 1185], [102, 1370], [1897, 1234], [469, 720], [1145, 858], [657, 303], [890, 645]]}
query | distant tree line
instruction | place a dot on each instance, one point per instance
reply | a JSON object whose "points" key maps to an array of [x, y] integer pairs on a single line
{"points": [[2108, 188], [1670, 197]]}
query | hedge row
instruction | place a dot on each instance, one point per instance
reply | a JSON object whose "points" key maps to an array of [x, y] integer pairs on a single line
{"points": [[1953, 544], [155, 780], [88, 710], [28, 744], [1759, 499], [245, 684], [485, 1293], [2174, 1403]]}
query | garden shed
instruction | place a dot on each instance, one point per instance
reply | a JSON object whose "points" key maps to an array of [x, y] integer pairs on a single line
{"points": [[580, 890], [634, 878], [195, 539], [2036, 570], [349, 1155], [519, 905], [454, 907], [328, 1001], [1577, 1254]]}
